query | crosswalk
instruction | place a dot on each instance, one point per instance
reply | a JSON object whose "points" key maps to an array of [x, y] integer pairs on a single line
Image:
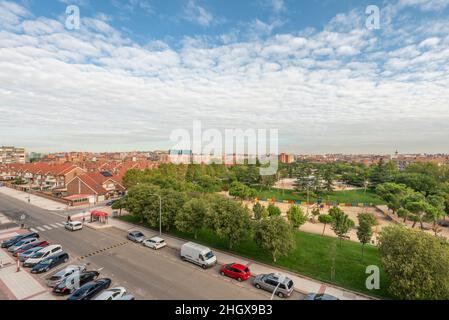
{"points": [[47, 227]]}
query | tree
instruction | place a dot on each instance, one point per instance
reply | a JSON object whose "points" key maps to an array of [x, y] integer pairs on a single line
{"points": [[324, 219], [341, 223], [315, 213], [416, 204], [191, 218], [273, 210], [393, 194], [435, 211], [403, 213], [365, 228], [260, 212], [119, 205], [274, 235], [296, 216], [268, 181], [241, 191], [229, 220], [141, 202], [416, 263]]}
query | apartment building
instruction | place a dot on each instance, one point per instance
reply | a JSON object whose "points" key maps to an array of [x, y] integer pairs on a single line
{"points": [[10, 155]]}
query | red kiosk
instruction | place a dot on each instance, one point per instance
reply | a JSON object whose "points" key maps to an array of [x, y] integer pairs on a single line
{"points": [[100, 216]]}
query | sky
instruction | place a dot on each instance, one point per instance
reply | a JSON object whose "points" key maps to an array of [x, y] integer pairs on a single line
{"points": [[137, 70]]}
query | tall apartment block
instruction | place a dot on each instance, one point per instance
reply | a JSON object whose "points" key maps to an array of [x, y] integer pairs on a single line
{"points": [[12, 155]]}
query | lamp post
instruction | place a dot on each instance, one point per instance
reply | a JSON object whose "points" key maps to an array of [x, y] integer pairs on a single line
{"points": [[160, 211]]}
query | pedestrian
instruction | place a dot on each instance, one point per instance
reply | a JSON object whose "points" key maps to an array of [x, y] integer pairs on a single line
{"points": [[69, 218], [84, 219]]}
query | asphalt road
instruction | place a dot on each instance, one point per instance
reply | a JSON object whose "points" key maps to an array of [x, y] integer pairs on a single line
{"points": [[146, 273]]}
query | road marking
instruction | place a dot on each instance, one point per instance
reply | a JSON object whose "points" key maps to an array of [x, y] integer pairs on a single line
{"points": [[54, 225], [47, 227], [59, 224], [33, 230], [41, 229]]}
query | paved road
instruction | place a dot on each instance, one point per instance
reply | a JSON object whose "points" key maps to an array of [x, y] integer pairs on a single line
{"points": [[146, 273]]}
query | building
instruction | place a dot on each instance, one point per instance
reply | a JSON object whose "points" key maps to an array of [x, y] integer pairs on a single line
{"points": [[10, 155], [286, 158]]}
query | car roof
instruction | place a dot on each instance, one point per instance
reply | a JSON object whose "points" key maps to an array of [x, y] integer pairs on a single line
{"points": [[157, 239], [136, 231], [238, 266]]}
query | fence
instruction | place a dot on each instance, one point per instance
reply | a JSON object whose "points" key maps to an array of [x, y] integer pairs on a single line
{"points": [[328, 203]]}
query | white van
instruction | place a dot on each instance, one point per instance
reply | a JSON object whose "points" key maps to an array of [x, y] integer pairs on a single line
{"points": [[42, 254], [74, 225], [198, 254]]}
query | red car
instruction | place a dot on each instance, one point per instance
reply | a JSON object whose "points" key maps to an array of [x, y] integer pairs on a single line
{"points": [[235, 271], [29, 246]]}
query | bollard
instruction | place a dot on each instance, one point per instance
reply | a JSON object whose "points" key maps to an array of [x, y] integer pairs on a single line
{"points": [[18, 265]]}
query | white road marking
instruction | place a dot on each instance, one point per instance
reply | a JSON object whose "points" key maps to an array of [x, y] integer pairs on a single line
{"points": [[33, 230], [41, 229], [59, 224], [54, 225], [47, 227]]}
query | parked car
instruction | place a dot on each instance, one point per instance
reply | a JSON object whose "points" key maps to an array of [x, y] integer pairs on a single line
{"points": [[8, 243], [320, 296], [90, 289], [30, 246], [112, 294], [50, 262], [273, 281], [127, 297], [65, 273], [136, 236], [73, 225], [235, 271], [21, 243], [154, 243], [72, 283], [27, 254], [110, 203], [198, 254], [42, 254]]}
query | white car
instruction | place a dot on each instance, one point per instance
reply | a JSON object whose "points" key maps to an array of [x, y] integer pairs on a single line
{"points": [[42, 254], [74, 225], [112, 294], [154, 243], [63, 274]]}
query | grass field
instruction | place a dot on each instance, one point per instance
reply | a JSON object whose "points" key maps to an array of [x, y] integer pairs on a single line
{"points": [[312, 257], [346, 196]]}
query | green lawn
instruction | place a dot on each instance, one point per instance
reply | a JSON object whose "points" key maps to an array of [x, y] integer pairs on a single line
{"points": [[312, 257], [346, 196]]}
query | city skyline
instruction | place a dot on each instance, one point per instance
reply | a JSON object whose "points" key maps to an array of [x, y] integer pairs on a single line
{"points": [[129, 76]]}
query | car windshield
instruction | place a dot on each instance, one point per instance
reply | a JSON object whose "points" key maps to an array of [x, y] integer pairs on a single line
{"points": [[290, 284], [138, 234], [209, 255], [47, 261], [32, 250], [38, 255]]}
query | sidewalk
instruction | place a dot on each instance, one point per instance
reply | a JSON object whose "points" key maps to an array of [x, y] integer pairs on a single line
{"points": [[302, 284], [34, 200], [19, 285]]}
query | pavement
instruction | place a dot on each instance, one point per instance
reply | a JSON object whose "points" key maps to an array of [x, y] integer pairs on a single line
{"points": [[40, 202]]}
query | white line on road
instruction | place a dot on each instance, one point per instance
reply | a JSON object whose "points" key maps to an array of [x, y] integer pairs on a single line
{"points": [[33, 230], [47, 227], [41, 229], [54, 225], [59, 224]]}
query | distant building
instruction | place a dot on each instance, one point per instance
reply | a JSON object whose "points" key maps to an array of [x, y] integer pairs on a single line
{"points": [[286, 158], [10, 155]]}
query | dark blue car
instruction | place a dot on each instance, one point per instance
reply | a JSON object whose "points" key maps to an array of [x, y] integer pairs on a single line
{"points": [[90, 289], [50, 262], [10, 242]]}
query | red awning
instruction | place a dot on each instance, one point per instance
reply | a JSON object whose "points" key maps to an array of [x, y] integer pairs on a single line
{"points": [[96, 213]]}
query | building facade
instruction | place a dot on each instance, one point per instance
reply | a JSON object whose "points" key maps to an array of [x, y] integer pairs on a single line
{"points": [[10, 155]]}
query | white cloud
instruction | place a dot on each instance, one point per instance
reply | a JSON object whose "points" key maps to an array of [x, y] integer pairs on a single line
{"points": [[197, 14], [341, 89]]}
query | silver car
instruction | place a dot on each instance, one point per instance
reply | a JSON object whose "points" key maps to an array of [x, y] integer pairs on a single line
{"points": [[275, 282], [63, 274], [136, 236]]}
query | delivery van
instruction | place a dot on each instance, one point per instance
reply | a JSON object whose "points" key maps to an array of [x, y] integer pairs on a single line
{"points": [[198, 254]]}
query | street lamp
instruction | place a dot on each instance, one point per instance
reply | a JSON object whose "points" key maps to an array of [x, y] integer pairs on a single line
{"points": [[160, 211]]}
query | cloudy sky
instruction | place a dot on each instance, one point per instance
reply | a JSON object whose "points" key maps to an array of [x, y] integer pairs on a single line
{"points": [[136, 70]]}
